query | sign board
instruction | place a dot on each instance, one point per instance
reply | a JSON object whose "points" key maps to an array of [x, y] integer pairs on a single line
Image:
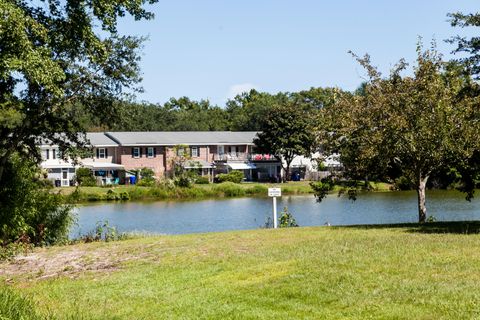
{"points": [[274, 192]]}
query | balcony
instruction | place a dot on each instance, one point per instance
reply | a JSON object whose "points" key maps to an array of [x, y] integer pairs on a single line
{"points": [[242, 156], [232, 156]]}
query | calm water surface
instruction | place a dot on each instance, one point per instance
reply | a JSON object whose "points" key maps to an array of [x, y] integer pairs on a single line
{"points": [[251, 213]]}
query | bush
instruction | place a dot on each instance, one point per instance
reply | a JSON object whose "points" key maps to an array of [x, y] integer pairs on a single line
{"points": [[202, 180], [85, 178], [235, 176], [147, 177], [183, 181], [28, 212], [286, 219], [403, 183]]}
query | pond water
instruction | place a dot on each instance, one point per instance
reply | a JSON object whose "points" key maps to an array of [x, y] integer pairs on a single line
{"points": [[250, 213]]}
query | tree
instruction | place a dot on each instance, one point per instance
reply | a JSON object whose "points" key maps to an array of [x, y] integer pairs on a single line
{"points": [[248, 110], [287, 132], [470, 46], [55, 56], [420, 123], [31, 213]]}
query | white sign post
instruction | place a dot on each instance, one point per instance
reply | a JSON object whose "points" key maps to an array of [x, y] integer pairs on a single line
{"points": [[274, 193]]}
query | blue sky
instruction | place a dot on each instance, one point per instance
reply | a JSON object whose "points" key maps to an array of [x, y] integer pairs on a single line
{"points": [[213, 49]]}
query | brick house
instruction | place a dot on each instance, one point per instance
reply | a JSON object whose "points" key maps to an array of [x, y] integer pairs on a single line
{"points": [[209, 152]]}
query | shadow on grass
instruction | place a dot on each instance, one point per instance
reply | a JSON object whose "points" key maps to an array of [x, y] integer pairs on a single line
{"points": [[455, 227]]}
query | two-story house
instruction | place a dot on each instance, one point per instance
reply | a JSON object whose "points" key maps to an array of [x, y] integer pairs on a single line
{"points": [[209, 152]]}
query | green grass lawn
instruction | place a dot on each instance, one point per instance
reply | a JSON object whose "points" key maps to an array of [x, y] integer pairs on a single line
{"points": [[302, 273]]}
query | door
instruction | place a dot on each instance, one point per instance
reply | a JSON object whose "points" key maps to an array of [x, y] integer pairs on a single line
{"points": [[65, 177]]}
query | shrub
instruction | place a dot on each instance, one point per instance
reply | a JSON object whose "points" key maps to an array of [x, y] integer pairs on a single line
{"points": [[146, 182], [403, 183], [202, 180], [85, 178], [286, 219], [235, 176], [28, 212], [147, 177], [183, 181]]}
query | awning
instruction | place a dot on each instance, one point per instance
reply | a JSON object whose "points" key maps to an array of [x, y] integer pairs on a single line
{"points": [[241, 166], [103, 166], [197, 164]]}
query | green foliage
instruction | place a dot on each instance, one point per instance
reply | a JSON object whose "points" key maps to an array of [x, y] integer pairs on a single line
{"points": [[470, 46], [147, 173], [321, 188], [286, 219], [183, 181], [247, 111], [230, 189], [147, 177], [15, 306], [403, 183], [85, 178], [12, 249], [235, 176], [287, 131], [103, 232], [416, 124], [202, 180], [28, 212]]}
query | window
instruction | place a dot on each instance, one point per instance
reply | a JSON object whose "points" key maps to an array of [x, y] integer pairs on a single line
{"points": [[101, 154], [194, 151], [54, 154], [150, 152], [47, 154], [180, 152], [136, 152]]}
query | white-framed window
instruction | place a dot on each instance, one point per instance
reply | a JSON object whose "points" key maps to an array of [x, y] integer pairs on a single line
{"points": [[101, 153], [54, 154], [180, 152], [150, 152], [136, 152], [195, 152], [47, 154]]}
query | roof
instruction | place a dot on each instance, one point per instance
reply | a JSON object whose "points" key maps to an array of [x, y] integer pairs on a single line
{"points": [[99, 139], [193, 164], [171, 138], [103, 165]]}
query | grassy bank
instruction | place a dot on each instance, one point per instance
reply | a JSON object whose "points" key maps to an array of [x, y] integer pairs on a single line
{"points": [[406, 272], [221, 190]]}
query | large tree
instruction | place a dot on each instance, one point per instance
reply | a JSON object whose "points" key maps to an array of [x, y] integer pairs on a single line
{"points": [[419, 123], [55, 56], [286, 132]]}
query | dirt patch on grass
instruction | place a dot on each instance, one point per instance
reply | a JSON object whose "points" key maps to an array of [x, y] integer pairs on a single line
{"points": [[67, 261]]}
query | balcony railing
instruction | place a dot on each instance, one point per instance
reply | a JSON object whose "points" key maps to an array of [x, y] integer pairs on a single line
{"points": [[242, 156]]}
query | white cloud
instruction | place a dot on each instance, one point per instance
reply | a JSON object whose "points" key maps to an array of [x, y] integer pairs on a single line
{"points": [[239, 89]]}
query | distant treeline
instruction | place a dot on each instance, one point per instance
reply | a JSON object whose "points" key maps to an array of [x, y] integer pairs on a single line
{"points": [[245, 112]]}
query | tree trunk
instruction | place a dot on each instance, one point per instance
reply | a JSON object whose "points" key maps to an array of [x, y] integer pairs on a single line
{"points": [[287, 172], [422, 209]]}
